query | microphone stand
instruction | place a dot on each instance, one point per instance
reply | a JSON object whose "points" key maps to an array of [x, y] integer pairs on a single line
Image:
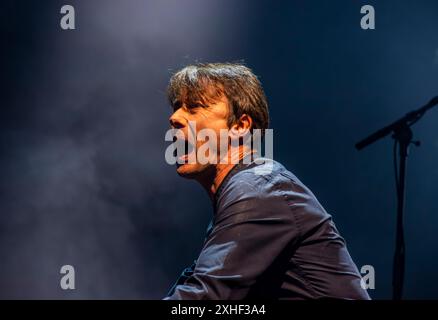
{"points": [[402, 134]]}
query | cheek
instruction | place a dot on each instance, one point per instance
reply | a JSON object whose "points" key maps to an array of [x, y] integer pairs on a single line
{"points": [[212, 121]]}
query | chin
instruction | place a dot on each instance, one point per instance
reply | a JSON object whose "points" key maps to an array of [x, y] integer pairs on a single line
{"points": [[191, 171]]}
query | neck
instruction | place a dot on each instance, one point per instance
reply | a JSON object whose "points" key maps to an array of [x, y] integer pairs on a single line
{"points": [[212, 181]]}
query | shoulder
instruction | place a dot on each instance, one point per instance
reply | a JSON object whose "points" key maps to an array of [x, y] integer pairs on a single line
{"points": [[262, 179], [252, 195], [270, 184], [260, 174]]}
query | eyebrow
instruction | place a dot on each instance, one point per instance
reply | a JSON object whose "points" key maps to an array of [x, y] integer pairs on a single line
{"points": [[176, 105]]}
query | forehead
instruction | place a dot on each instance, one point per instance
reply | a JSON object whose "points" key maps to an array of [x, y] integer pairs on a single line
{"points": [[206, 108], [206, 95]]}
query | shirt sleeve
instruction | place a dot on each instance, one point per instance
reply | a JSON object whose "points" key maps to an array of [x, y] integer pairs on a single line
{"points": [[249, 233]]}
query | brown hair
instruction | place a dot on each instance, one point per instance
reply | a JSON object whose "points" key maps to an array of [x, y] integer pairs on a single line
{"points": [[197, 84]]}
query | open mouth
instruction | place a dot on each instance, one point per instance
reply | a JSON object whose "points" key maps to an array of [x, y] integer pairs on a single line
{"points": [[184, 151]]}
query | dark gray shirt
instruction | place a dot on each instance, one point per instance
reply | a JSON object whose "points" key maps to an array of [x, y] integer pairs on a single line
{"points": [[269, 239]]}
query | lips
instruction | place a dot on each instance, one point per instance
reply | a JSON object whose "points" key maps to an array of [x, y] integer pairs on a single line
{"points": [[187, 148]]}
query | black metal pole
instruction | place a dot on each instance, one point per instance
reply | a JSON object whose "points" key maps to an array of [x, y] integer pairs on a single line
{"points": [[404, 137]]}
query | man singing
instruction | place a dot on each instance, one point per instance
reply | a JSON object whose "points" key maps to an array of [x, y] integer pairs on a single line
{"points": [[269, 238]]}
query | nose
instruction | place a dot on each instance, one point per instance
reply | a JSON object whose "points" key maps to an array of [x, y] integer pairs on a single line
{"points": [[176, 121]]}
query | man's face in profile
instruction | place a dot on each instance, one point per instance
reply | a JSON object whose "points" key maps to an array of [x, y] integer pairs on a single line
{"points": [[212, 115]]}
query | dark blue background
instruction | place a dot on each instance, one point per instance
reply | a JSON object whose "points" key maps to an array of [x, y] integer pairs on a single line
{"points": [[83, 179]]}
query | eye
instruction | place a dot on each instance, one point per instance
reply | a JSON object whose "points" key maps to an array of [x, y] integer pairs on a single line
{"points": [[176, 105], [193, 108]]}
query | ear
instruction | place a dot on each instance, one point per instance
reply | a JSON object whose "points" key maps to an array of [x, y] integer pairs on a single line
{"points": [[241, 127]]}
